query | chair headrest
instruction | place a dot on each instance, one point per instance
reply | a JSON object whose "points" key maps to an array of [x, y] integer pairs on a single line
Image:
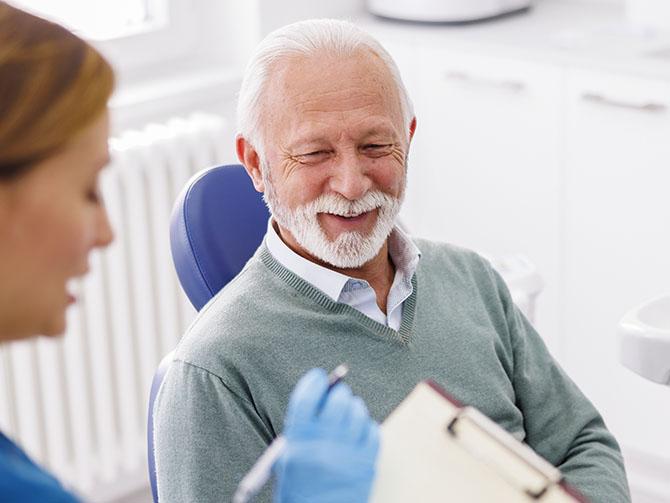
{"points": [[217, 224]]}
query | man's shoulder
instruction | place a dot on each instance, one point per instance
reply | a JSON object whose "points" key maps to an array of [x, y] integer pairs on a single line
{"points": [[457, 269], [441, 254], [228, 321]]}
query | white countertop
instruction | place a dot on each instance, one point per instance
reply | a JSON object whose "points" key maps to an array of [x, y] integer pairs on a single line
{"points": [[583, 35]]}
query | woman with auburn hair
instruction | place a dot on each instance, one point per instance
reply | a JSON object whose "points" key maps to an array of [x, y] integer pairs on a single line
{"points": [[54, 89], [54, 125]]}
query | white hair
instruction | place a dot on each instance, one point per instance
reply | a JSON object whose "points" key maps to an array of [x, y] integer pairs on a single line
{"points": [[305, 38]]}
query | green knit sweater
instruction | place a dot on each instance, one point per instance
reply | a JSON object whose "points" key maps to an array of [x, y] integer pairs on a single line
{"points": [[224, 397]]}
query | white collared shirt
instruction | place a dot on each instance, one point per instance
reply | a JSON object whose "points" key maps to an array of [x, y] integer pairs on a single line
{"points": [[357, 293]]}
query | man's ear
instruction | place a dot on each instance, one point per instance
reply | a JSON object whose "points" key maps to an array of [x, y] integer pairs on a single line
{"points": [[412, 128], [251, 161]]}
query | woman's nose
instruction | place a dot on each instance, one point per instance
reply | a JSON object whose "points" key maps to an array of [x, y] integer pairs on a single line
{"points": [[104, 234]]}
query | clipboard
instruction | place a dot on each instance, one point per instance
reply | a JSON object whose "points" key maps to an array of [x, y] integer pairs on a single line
{"points": [[435, 450]]}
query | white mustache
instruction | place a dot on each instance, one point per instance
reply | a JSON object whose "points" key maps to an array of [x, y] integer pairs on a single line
{"points": [[341, 206]]}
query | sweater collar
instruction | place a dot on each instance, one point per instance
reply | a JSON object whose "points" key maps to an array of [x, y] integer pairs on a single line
{"points": [[403, 251]]}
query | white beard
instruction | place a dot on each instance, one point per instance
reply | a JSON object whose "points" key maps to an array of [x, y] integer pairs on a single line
{"points": [[350, 249]]}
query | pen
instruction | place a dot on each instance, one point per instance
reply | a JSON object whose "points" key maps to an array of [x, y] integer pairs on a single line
{"points": [[259, 474]]}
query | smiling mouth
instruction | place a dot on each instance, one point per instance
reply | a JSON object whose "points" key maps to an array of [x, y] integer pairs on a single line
{"points": [[355, 218], [359, 222], [350, 217]]}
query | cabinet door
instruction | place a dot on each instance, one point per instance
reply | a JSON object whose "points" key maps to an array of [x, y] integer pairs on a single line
{"points": [[483, 166], [617, 246]]}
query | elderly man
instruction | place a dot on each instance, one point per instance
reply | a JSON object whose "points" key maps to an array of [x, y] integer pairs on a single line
{"points": [[326, 126]]}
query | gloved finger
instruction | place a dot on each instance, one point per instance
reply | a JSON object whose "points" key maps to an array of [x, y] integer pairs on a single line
{"points": [[371, 438], [358, 420], [336, 406], [307, 396]]}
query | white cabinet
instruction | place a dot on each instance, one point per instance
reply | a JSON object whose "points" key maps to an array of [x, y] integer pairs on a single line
{"points": [[617, 241], [521, 150], [484, 164]]}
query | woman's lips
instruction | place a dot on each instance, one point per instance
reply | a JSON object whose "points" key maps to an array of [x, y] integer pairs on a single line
{"points": [[73, 289]]}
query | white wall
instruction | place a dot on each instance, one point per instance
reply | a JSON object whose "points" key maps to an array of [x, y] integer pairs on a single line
{"points": [[274, 14], [593, 1], [213, 43], [590, 1]]}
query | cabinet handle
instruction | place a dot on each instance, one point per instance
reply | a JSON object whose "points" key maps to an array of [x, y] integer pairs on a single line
{"points": [[507, 85], [598, 99]]}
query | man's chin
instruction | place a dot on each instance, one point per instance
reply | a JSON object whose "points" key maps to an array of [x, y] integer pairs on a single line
{"points": [[345, 255], [348, 263], [55, 327]]}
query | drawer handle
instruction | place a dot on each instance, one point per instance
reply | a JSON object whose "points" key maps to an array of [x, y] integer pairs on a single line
{"points": [[507, 85], [642, 107]]}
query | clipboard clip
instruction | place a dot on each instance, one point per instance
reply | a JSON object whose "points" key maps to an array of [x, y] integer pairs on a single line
{"points": [[525, 469]]}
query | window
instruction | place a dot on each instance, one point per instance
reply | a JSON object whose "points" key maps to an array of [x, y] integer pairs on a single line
{"points": [[170, 56], [147, 39], [101, 20]]}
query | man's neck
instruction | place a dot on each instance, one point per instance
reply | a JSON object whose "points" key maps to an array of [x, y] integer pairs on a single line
{"points": [[378, 272]]}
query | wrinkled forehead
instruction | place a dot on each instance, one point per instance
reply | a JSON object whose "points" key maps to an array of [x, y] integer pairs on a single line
{"points": [[301, 88]]}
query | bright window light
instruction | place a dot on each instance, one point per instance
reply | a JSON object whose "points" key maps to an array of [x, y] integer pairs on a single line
{"points": [[101, 20]]}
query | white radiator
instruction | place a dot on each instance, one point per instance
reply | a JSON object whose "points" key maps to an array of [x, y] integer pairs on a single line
{"points": [[78, 404]]}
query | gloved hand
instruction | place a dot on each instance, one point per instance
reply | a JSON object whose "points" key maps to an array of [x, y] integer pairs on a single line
{"points": [[332, 445]]}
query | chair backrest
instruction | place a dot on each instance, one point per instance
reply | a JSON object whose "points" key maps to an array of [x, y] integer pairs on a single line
{"points": [[155, 386], [217, 223]]}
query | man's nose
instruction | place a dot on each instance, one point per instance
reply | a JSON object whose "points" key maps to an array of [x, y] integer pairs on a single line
{"points": [[350, 178]]}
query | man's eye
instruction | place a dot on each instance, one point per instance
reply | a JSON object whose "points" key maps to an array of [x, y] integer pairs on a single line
{"points": [[378, 148], [315, 156]]}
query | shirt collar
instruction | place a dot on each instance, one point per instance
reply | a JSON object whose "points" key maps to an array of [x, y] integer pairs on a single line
{"points": [[328, 281], [404, 253]]}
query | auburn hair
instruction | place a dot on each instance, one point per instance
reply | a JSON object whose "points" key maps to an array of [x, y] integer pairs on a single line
{"points": [[52, 85]]}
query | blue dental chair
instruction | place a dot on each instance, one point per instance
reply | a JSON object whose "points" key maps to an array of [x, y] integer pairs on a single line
{"points": [[217, 224]]}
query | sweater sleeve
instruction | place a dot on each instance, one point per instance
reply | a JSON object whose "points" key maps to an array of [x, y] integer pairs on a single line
{"points": [[561, 423], [206, 437]]}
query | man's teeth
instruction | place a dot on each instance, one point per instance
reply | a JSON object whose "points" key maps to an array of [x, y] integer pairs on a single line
{"points": [[348, 215]]}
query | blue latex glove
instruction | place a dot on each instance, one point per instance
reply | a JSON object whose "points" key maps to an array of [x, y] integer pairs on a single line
{"points": [[332, 445]]}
